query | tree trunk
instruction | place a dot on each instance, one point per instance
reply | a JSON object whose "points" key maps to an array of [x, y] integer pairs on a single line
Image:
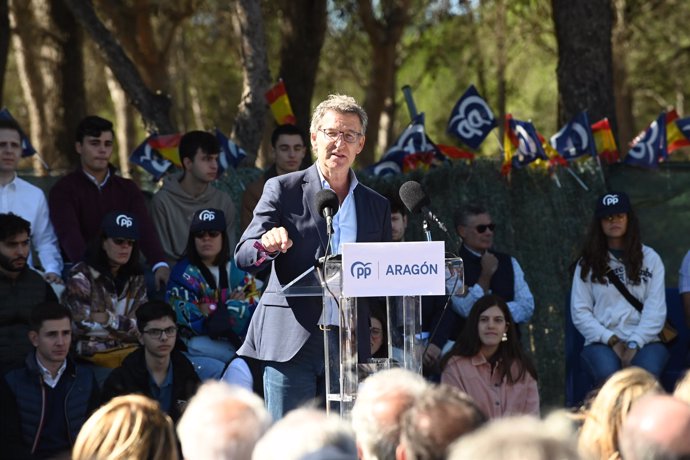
{"points": [[251, 117], [302, 34], [384, 35], [622, 92], [154, 108], [125, 129], [48, 49], [4, 43], [585, 68], [501, 64]]}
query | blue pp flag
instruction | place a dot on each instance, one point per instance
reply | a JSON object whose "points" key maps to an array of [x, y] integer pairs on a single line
{"points": [[413, 150], [649, 147], [471, 119], [27, 148], [575, 139], [230, 153], [529, 146], [150, 159]]}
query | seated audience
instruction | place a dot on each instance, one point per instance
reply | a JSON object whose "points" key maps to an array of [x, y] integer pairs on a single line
{"points": [[28, 201], [657, 428], [222, 422], [307, 434], [213, 299], [45, 402], [608, 410], [488, 363], [436, 419], [618, 300], [20, 289], [129, 427], [79, 201], [156, 370], [514, 438], [382, 399], [104, 293]]}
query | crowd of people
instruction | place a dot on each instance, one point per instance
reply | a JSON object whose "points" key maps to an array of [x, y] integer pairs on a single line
{"points": [[129, 331]]}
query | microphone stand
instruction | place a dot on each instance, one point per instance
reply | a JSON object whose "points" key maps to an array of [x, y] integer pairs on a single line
{"points": [[427, 230]]}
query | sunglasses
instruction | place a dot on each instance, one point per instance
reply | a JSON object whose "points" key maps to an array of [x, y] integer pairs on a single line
{"points": [[483, 227], [205, 233], [123, 241]]}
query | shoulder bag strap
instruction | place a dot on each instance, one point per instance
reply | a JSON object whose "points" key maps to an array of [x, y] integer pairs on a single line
{"points": [[623, 290]]}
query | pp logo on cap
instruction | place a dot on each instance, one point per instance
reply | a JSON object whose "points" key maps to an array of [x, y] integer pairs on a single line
{"points": [[123, 220], [207, 215], [609, 200]]}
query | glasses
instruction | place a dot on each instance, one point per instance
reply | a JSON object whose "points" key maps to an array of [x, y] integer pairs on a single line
{"points": [[158, 333], [483, 227], [348, 136], [123, 241], [205, 233]]}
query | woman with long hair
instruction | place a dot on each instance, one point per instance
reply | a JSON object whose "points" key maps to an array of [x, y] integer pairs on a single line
{"points": [[487, 362], [615, 271], [104, 291], [213, 299], [603, 419]]}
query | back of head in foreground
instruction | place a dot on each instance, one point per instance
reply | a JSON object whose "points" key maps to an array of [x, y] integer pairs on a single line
{"points": [[436, 419], [608, 410], [657, 428], [376, 416], [307, 434], [131, 427], [222, 422], [514, 438]]}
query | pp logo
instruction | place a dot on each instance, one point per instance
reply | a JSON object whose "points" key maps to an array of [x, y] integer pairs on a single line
{"points": [[360, 270], [609, 200], [123, 220], [207, 215]]}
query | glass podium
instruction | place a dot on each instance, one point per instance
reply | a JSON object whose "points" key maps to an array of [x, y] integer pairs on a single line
{"points": [[406, 342]]}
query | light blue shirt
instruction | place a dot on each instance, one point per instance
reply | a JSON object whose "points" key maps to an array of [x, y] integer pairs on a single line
{"points": [[344, 231]]}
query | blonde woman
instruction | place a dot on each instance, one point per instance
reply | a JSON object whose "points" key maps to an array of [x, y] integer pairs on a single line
{"points": [[128, 427], [609, 408]]}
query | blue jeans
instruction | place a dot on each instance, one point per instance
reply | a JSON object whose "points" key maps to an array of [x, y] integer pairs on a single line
{"points": [[300, 380], [600, 361], [209, 357]]}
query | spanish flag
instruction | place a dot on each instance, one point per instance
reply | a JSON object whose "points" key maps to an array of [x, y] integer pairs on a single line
{"points": [[674, 136], [280, 104], [605, 142], [166, 145]]}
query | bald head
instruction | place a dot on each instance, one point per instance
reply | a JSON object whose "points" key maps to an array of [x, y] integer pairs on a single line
{"points": [[657, 427]]}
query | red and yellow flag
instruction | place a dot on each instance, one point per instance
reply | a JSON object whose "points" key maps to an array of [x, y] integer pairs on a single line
{"points": [[277, 98], [675, 138], [167, 146], [604, 141]]}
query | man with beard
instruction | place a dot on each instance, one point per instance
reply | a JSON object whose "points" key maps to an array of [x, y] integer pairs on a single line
{"points": [[20, 289]]}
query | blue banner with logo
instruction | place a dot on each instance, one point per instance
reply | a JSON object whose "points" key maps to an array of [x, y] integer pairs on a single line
{"points": [[575, 139], [230, 153], [149, 159], [529, 146], [648, 148], [471, 119]]}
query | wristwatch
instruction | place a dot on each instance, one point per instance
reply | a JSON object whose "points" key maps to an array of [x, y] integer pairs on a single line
{"points": [[633, 345]]}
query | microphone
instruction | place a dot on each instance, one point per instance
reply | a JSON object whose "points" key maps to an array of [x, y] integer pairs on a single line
{"points": [[415, 200], [326, 201]]}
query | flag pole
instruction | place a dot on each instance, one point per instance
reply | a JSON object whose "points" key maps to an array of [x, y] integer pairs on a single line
{"points": [[409, 100], [577, 178]]}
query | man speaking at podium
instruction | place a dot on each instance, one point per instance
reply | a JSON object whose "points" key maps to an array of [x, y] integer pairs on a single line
{"points": [[288, 230]]}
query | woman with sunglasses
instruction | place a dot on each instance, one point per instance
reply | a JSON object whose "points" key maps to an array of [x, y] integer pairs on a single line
{"points": [[487, 362], [104, 292], [614, 271], [214, 300]]}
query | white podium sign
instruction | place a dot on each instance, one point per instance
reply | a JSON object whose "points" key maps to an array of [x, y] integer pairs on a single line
{"points": [[401, 269]]}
